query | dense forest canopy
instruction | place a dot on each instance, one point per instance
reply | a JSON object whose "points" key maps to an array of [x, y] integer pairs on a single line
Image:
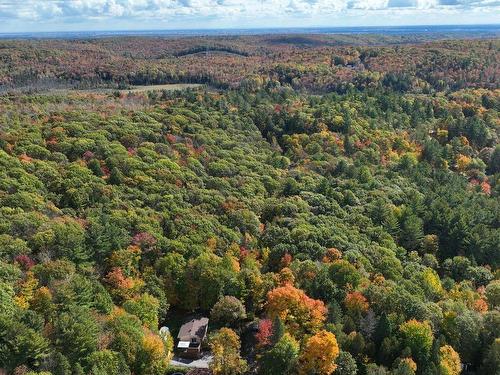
{"points": [[316, 63], [330, 202]]}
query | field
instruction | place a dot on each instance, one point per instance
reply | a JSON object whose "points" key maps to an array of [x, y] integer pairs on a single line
{"points": [[167, 87]]}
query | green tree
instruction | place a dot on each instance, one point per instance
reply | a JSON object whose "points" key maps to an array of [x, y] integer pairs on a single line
{"points": [[494, 164], [228, 310], [278, 329], [491, 361], [281, 358], [76, 333], [411, 233], [128, 335], [60, 365], [346, 364], [107, 362], [418, 337], [20, 345], [344, 273], [493, 294], [146, 308]]}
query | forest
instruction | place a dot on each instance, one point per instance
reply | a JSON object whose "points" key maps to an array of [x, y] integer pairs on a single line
{"points": [[330, 202]]}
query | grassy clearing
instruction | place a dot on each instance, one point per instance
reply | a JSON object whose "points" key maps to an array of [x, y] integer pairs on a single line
{"points": [[169, 87], [102, 90]]}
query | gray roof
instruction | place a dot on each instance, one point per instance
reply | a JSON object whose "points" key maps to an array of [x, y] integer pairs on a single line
{"points": [[196, 328]]}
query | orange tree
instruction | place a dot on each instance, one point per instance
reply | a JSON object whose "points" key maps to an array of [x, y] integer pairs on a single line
{"points": [[300, 313]]}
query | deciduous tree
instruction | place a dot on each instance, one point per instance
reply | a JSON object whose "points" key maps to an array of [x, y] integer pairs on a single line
{"points": [[298, 311], [225, 345], [319, 354]]}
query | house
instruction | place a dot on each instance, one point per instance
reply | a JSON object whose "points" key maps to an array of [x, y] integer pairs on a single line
{"points": [[191, 336]]}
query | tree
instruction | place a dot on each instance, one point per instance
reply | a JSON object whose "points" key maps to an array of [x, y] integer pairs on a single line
{"points": [[346, 364], [60, 365], [373, 369], [26, 291], [449, 361], [493, 294], [282, 358], [116, 176], [7, 299], [228, 310], [171, 268], [20, 345], [265, 332], [430, 244], [297, 311], [431, 284], [206, 276], [494, 164], [153, 357], [85, 292], [145, 307], [405, 366], [76, 333], [462, 331], [42, 302], [122, 287], [418, 337], [356, 304], [225, 345], [411, 234], [491, 362], [343, 274], [107, 362], [127, 337], [319, 354], [278, 329]]}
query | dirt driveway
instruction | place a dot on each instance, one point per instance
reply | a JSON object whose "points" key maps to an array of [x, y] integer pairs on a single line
{"points": [[202, 362]]}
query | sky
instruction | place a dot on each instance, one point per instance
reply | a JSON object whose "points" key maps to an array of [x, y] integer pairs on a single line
{"points": [[89, 15]]}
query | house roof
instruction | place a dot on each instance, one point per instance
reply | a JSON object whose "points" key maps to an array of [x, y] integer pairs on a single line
{"points": [[195, 328]]}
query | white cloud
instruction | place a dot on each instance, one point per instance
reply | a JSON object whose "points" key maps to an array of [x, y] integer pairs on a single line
{"points": [[368, 4], [273, 11]]}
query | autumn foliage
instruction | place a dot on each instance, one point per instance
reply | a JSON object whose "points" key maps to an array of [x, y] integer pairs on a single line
{"points": [[449, 361], [264, 333], [319, 354], [354, 172], [298, 311], [356, 303]]}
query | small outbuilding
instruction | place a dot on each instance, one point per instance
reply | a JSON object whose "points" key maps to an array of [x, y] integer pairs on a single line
{"points": [[191, 336]]}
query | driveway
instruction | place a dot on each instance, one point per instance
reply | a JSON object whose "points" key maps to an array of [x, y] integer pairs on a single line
{"points": [[202, 362]]}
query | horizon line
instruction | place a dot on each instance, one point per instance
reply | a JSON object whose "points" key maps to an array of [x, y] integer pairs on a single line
{"points": [[180, 30]]}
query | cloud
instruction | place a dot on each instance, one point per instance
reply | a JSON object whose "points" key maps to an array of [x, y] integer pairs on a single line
{"points": [[367, 4], [144, 11]]}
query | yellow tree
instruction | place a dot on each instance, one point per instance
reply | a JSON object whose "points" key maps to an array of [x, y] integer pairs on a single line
{"points": [[431, 283], [154, 357], [225, 345], [26, 290], [319, 354], [42, 301], [449, 361]]}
